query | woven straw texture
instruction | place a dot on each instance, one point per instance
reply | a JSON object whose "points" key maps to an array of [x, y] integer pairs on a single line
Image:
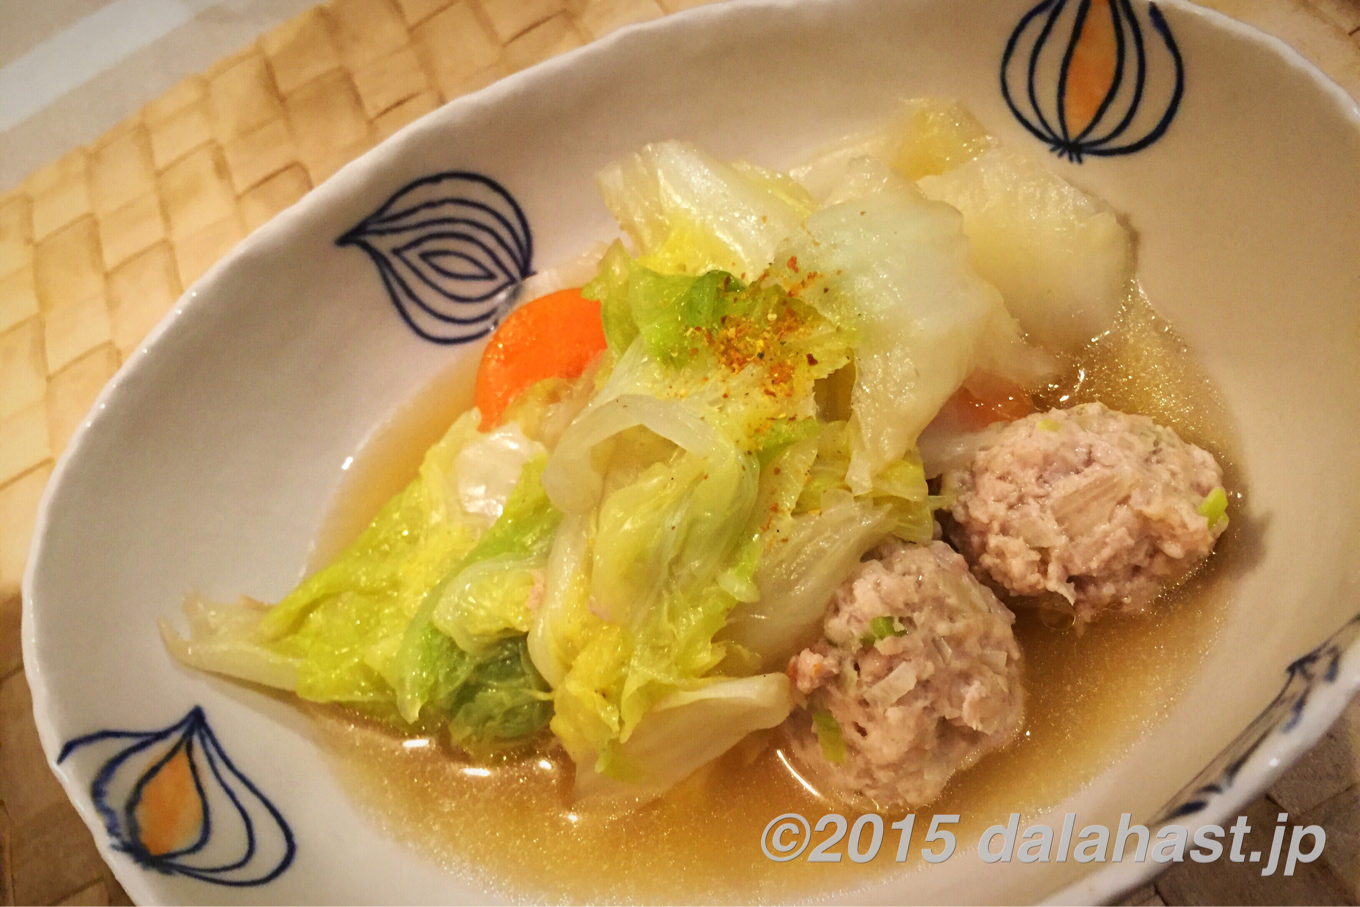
{"points": [[95, 248]]}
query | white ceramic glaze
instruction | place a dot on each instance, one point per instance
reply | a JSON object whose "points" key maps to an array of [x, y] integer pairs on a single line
{"points": [[209, 461]]}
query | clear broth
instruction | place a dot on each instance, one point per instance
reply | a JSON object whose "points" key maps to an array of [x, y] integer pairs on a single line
{"points": [[510, 826]]}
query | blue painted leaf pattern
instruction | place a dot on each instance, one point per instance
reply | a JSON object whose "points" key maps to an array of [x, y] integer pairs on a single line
{"points": [[1302, 677], [174, 802], [451, 250], [1081, 76]]}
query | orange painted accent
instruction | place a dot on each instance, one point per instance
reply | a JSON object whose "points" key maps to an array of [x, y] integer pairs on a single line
{"points": [[170, 813], [555, 335], [1091, 72]]}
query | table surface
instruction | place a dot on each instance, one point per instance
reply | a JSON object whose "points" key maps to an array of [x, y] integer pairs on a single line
{"points": [[96, 245]]}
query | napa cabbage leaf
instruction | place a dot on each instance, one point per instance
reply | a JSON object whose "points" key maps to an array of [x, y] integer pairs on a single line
{"points": [[893, 267], [362, 630], [689, 213]]}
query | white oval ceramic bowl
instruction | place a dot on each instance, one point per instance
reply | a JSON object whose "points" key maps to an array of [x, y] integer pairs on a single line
{"points": [[210, 459]]}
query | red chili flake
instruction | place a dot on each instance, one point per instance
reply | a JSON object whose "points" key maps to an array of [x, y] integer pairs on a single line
{"points": [[793, 262], [812, 360]]}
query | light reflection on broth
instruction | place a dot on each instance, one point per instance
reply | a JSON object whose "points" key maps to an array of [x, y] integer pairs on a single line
{"points": [[390, 456], [511, 828]]}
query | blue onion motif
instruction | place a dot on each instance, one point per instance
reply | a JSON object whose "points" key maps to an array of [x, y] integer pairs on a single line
{"points": [[174, 802], [452, 249], [1302, 677], [1080, 76]]}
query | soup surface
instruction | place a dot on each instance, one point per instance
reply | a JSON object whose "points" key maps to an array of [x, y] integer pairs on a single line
{"points": [[510, 826]]}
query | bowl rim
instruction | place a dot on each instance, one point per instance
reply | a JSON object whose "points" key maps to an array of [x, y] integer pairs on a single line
{"points": [[1104, 884]]}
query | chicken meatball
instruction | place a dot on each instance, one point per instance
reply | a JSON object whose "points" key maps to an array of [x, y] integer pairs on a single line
{"points": [[1089, 507], [916, 677]]}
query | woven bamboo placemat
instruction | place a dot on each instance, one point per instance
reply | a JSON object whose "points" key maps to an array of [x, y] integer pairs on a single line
{"points": [[96, 246]]}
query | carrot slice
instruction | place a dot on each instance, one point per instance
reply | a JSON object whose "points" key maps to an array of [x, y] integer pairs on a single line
{"points": [[982, 400], [996, 399], [557, 335]]}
